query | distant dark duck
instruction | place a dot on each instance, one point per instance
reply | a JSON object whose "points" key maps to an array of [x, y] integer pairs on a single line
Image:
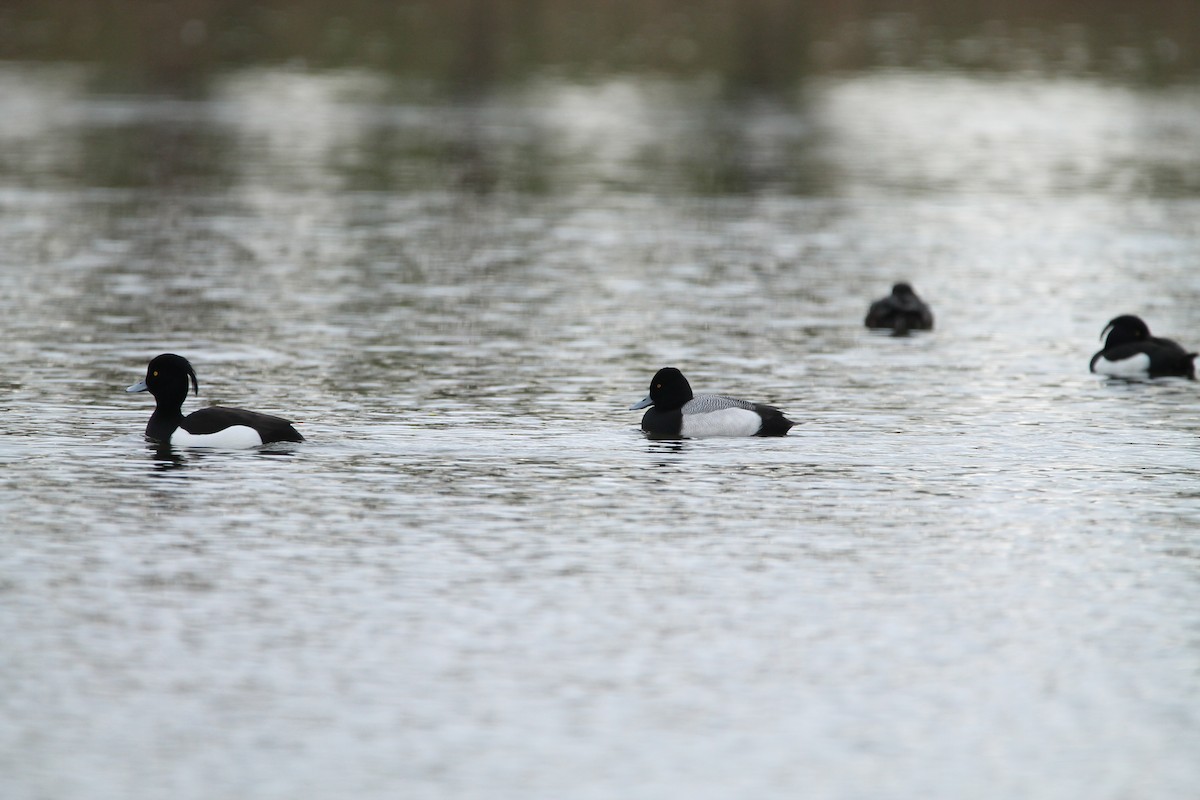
{"points": [[675, 411], [167, 379], [901, 311], [1131, 352]]}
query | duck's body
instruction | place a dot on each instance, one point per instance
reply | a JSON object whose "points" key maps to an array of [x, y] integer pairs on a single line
{"points": [[900, 312], [1131, 352], [675, 411], [216, 426]]}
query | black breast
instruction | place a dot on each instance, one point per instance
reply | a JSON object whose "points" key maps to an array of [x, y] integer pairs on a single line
{"points": [[662, 423]]}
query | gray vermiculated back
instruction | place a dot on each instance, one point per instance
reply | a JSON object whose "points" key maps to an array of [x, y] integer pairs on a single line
{"points": [[704, 403]]}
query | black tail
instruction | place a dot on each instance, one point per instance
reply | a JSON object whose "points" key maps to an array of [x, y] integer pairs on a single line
{"points": [[774, 423]]}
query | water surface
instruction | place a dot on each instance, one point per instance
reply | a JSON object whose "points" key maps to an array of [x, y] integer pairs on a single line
{"points": [[972, 569]]}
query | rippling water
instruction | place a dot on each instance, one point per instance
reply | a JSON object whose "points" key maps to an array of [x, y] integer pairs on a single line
{"points": [[972, 571]]}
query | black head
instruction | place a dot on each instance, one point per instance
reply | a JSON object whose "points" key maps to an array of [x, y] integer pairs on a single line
{"points": [[1124, 329], [669, 389], [167, 378], [903, 290]]}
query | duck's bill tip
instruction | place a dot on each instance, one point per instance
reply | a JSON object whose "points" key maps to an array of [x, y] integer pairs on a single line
{"points": [[643, 403], [140, 386]]}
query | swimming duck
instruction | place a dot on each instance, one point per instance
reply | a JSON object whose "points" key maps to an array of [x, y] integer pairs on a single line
{"points": [[675, 411], [901, 311], [167, 379], [1131, 352]]}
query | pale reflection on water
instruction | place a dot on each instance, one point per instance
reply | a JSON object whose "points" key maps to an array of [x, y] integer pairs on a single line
{"points": [[970, 571]]}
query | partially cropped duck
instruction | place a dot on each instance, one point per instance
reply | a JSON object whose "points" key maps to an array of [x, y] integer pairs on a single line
{"points": [[167, 379], [1131, 352], [901, 311], [675, 411]]}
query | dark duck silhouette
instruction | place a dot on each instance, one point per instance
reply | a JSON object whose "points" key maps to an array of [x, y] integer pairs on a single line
{"points": [[167, 379], [1131, 352], [901, 311]]}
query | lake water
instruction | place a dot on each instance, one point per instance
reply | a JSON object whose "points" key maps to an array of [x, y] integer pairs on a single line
{"points": [[972, 570]]}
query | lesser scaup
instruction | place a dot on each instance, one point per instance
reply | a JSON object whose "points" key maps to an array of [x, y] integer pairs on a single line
{"points": [[1131, 352], [675, 411], [167, 379], [901, 311]]}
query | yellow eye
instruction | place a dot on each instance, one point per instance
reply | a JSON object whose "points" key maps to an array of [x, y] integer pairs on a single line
{"points": [[656, 386], [156, 373]]}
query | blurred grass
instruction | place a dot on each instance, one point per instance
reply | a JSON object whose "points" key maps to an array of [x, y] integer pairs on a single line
{"points": [[467, 46]]}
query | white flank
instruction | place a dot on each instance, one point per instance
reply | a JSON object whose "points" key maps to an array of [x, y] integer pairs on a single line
{"points": [[726, 422], [1133, 367], [235, 436]]}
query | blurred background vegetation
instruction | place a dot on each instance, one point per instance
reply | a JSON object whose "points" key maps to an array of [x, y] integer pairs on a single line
{"points": [[469, 46]]}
